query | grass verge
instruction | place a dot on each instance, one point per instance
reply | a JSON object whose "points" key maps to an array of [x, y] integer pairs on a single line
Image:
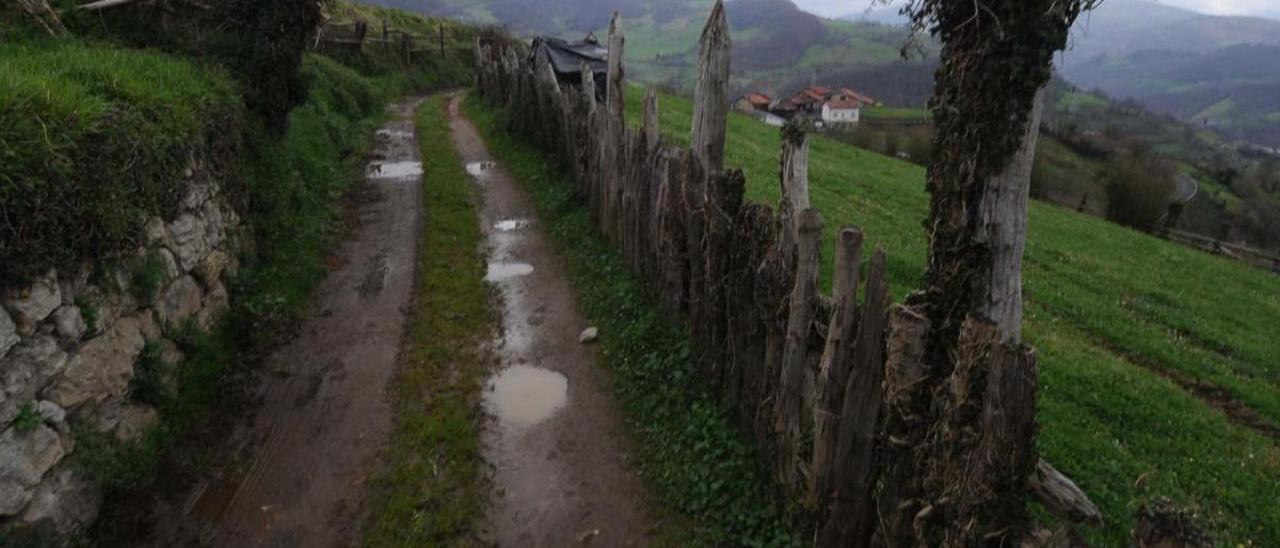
{"points": [[430, 490], [1099, 298], [693, 458]]}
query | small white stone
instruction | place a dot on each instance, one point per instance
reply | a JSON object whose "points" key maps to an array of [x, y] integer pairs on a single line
{"points": [[51, 412], [24, 459], [70, 324], [181, 300], [156, 232], [8, 333], [31, 305], [589, 335]]}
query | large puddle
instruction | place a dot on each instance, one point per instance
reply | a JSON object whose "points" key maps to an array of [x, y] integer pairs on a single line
{"points": [[523, 396], [505, 271], [478, 169], [512, 225], [395, 134], [395, 170]]}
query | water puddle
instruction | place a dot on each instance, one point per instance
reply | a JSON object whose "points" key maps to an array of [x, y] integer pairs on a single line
{"points": [[395, 134], [505, 271], [395, 170], [523, 396], [512, 225], [478, 169]]}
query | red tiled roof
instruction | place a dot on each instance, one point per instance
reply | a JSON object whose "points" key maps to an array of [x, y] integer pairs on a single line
{"points": [[866, 99], [759, 99]]}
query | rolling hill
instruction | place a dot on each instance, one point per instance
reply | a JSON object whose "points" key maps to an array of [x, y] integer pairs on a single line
{"points": [[777, 46], [1221, 72]]}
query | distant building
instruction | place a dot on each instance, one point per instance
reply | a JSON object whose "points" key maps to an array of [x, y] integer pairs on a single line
{"points": [[753, 102], [842, 111], [769, 118], [816, 104]]}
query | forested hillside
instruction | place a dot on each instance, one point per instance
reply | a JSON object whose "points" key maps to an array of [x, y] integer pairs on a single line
{"points": [[777, 46]]}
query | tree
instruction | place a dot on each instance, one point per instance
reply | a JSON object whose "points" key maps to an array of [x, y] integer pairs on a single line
{"points": [[1138, 189], [996, 59]]}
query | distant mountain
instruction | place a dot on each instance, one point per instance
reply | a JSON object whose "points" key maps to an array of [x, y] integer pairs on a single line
{"points": [[777, 46], [882, 15], [1223, 72]]}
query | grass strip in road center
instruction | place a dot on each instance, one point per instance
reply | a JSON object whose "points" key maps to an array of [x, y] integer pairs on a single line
{"points": [[430, 491]]}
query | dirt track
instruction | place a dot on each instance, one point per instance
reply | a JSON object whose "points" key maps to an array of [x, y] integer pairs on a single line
{"points": [[325, 416], [561, 476]]}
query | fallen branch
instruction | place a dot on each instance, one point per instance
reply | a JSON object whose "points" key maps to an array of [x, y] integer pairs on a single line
{"points": [[44, 15], [104, 4], [1061, 497]]}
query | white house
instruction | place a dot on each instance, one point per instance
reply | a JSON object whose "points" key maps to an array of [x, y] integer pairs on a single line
{"points": [[842, 110], [769, 118]]}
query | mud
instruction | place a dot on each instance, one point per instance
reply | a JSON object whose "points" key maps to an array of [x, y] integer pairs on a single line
{"points": [[554, 441], [301, 473]]}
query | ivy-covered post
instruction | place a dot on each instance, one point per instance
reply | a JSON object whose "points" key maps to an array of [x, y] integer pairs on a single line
{"points": [[996, 59]]}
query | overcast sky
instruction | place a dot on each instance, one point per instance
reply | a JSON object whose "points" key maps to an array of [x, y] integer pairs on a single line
{"points": [[1271, 8]]}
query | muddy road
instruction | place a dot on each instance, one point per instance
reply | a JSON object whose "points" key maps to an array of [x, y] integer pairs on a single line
{"points": [[325, 415], [554, 439]]}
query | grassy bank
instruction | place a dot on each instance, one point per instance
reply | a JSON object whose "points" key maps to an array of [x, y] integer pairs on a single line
{"points": [[92, 138], [293, 185], [430, 490], [1105, 305], [693, 458], [95, 136]]}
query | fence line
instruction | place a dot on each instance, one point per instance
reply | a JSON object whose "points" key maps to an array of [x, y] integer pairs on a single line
{"points": [[832, 391], [356, 35], [1246, 254]]}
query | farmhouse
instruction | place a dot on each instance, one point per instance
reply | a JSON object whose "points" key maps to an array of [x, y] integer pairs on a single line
{"points": [[817, 104]]}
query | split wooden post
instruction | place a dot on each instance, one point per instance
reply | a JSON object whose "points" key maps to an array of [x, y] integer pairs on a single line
{"points": [[710, 115], [850, 521], [905, 400], [795, 355], [795, 186], [645, 236], [614, 128], [836, 362], [711, 92]]}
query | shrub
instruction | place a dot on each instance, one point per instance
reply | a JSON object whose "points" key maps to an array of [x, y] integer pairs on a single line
{"points": [[1138, 189]]}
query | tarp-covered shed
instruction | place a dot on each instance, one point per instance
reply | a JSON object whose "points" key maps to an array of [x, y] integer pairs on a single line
{"points": [[567, 59]]}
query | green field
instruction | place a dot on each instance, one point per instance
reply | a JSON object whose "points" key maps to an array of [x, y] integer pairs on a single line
{"points": [[895, 113], [1104, 306]]}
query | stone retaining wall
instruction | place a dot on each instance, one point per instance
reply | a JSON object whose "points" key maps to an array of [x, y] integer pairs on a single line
{"points": [[71, 342]]}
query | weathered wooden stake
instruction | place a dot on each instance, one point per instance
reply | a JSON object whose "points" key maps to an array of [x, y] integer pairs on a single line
{"points": [[711, 92], [795, 356], [850, 520], [795, 186], [835, 365]]}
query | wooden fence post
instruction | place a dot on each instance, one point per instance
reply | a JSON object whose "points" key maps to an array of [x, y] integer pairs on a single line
{"points": [[613, 132], [850, 520], [711, 92], [905, 401], [795, 355], [836, 362], [795, 186]]}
